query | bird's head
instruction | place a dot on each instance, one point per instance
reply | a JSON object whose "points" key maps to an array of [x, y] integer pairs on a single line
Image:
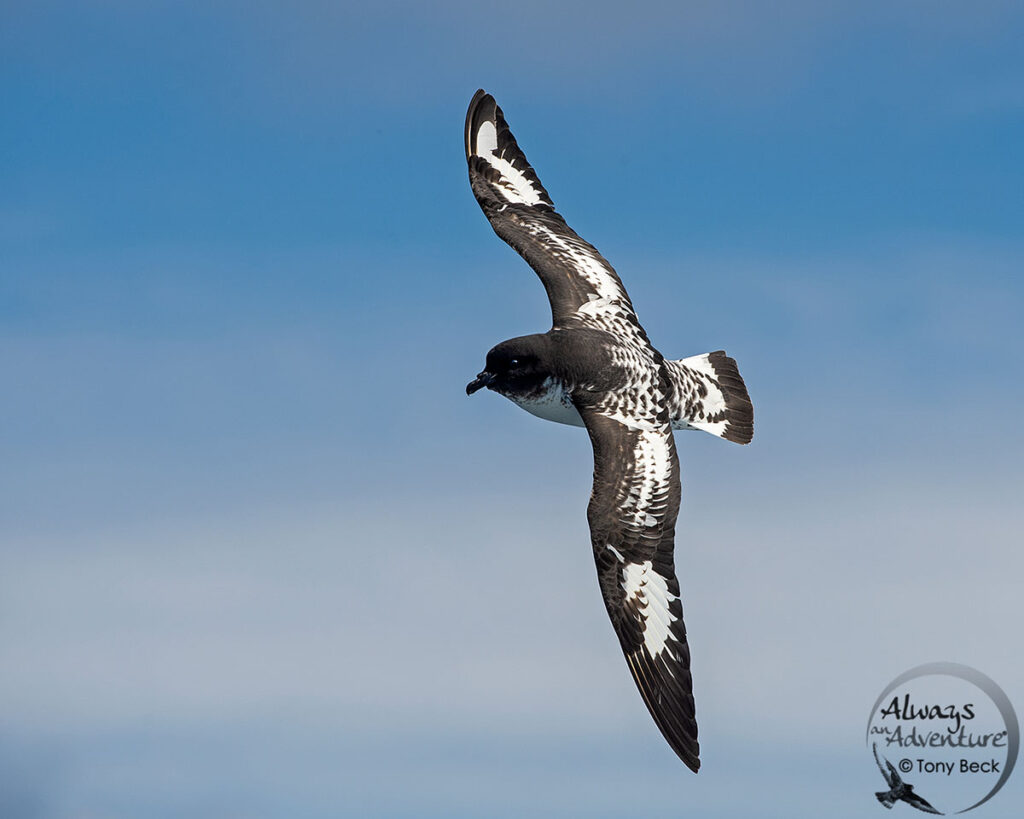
{"points": [[514, 367]]}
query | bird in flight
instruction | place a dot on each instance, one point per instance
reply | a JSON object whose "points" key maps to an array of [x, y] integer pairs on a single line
{"points": [[899, 791], [597, 369]]}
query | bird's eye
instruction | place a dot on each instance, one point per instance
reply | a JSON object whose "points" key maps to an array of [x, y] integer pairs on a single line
{"points": [[514, 362]]}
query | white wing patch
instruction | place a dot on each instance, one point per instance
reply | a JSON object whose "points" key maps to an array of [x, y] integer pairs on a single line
{"points": [[651, 479], [486, 139], [589, 268], [650, 590], [608, 306], [514, 186]]}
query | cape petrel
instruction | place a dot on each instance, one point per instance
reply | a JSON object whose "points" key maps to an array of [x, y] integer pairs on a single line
{"points": [[596, 368]]}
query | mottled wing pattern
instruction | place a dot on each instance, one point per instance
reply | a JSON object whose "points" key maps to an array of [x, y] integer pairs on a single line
{"points": [[708, 393], [632, 514], [584, 290]]}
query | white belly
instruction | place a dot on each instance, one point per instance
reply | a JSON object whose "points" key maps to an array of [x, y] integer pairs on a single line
{"points": [[552, 405]]}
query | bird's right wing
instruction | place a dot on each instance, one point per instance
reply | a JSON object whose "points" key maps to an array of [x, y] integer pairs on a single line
{"points": [[632, 515], [584, 290]]}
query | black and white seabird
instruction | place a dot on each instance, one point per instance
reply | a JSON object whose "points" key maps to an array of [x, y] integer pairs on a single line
{"points": [[596, 368]]}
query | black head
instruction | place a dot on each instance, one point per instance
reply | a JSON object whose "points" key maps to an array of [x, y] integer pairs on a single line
{"points": [[514, 367]]}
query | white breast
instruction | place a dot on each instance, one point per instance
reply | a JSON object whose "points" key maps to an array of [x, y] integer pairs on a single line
{"points": [[551, 404]]}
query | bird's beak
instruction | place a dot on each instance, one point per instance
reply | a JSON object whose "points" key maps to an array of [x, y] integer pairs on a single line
{"points": [[484, 379]]}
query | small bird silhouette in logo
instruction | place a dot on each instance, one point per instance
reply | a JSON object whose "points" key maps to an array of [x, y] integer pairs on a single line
{"points": [[899, 791]]}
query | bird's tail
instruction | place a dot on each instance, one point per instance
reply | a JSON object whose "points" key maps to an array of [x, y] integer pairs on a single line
{"points": [[708, 393], [885, 798]]}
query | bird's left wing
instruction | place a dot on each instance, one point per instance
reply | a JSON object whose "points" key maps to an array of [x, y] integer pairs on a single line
{"points": [[632, 515], [584, 290]]}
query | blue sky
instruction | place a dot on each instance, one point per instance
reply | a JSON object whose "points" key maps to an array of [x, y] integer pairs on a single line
{"points": [[260, 555]]}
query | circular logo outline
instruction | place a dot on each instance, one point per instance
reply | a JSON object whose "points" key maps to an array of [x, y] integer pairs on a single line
{"points": [[988, 686]]}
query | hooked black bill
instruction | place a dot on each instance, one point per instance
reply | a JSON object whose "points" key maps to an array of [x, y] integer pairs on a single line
{"points": [[484, 379]]}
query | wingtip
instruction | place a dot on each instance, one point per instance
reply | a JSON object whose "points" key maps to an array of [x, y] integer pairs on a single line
{"points": [[501, 170], [474, 103], [688, 752]]}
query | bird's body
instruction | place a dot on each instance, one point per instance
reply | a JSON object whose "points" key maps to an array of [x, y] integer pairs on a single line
{"points": [[697, 393], [597, 368]]}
